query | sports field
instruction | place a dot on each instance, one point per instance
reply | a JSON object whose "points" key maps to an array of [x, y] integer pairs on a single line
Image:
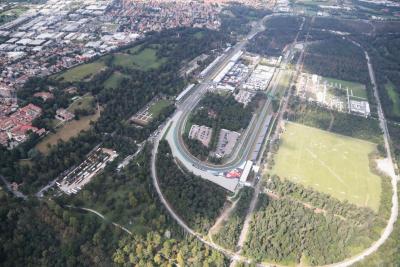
{"points": [[333, 164]]}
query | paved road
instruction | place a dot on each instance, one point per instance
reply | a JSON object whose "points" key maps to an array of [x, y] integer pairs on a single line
{"points": [[17, 194]]}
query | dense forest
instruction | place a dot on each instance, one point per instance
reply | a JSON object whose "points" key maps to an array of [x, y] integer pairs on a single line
{"points": [[156, 249], [280, 32], [46, 234], [197, 200], [294, 224], [286, 231], [337, 58], [359, 215], [228, 235], [342, 25], [385, 57], [62, 236], [126, 196]]}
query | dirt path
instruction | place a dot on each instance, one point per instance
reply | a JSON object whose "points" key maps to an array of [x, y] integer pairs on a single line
{"points": [[227, 211], [223, 217], [102, 217]]}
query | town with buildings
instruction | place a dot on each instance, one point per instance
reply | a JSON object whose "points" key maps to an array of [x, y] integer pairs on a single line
{"points": [[57, 35]]}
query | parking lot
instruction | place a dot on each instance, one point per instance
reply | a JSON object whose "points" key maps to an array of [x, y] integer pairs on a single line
{"points": [[81, 175]]}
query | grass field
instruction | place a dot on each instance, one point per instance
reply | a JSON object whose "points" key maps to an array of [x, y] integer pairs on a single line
{"points": [[355, 89], [114, 80], [16, 11], [395, 97], [330, 163], [85, 102], [67, 131], [132, 58], [81, 72], [145, 60]]}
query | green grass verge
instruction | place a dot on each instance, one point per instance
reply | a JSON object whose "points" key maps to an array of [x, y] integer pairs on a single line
{"points": [[330, 163]]}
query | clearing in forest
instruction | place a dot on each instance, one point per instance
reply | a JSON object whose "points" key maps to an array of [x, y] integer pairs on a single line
{"points": [[330, 163]]}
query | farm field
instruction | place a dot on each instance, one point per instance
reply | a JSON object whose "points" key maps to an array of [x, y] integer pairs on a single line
{"points": [[81, 72], [67, 131], [333, 164], [395, 97], [355, 89]]}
